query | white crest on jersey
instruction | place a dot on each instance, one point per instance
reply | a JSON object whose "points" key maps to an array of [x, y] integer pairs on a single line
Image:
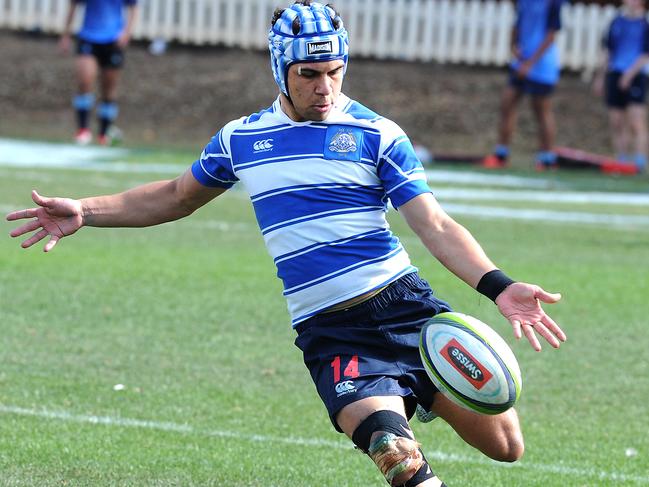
{"points": [[344, 141]]}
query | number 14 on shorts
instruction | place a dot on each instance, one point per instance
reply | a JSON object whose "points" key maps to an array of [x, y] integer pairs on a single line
{"points": [[350, 371]]}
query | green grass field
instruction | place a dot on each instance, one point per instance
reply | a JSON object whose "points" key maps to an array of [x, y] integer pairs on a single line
{"points": [[189, 318]]}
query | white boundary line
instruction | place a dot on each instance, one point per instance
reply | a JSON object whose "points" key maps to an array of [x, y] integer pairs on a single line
{"points": [[573, 197], [560, 469], [550, 216]]}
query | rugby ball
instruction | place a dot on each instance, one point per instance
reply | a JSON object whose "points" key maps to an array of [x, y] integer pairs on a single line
{"points": [[470, 363]]}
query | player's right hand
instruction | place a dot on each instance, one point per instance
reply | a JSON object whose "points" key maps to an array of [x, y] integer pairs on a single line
{"points": [[520, 303], [64, 44], [56, 217]]}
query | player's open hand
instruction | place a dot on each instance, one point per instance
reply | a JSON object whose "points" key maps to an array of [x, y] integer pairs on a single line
{"points": [[123, 40], [520, 303], [56, 217], [524, 69], [625, 81], [64, 44]]}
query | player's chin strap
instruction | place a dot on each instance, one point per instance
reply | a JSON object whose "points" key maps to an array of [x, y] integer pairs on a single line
{"points": [[386, 437]]}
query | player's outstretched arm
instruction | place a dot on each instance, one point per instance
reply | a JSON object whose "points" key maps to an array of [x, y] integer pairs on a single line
{"points": [[459, 252], [146, 205], [520, 303]]}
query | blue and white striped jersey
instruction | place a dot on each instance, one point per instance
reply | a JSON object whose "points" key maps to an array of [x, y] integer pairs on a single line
{"points": [[320, 192]]}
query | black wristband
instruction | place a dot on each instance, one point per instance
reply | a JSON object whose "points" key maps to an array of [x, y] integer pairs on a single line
{"points": [[493, 283]]}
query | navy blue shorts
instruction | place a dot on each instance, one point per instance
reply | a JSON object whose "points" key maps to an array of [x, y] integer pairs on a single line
{"points": [[107, 55], [372, 349], [616, 98], [528, 86]]}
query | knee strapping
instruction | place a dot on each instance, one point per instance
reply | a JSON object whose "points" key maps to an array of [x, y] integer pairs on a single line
{"points": [[385, 436]]}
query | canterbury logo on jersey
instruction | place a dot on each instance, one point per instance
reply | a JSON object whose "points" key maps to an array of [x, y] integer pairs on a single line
{"points": [[263, 145]]}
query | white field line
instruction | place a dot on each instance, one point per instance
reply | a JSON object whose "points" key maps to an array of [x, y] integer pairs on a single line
{"points": [[549, 216], [572, 197], [472, 178], [560, 469], [118, 167]]}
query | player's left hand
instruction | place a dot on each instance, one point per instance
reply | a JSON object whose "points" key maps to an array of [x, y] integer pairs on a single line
{"points": [[625, 82], [520, 303], [523, 70], [123, 39]]}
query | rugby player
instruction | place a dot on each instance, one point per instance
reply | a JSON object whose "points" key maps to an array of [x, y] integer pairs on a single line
{"points": [[534, 71], [622, 77], [320, 169], [104, 34]]}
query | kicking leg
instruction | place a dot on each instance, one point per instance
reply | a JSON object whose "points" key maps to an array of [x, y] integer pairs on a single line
{"points": [[378, 426], [498, 436]]}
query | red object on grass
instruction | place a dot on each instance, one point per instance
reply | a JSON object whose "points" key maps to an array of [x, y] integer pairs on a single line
{"points": [[579, 159]]}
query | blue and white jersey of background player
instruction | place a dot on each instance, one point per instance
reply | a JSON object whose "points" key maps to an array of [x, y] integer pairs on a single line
{"points": [[103, 20], [534, 19], [627, 39], [320, 192]]}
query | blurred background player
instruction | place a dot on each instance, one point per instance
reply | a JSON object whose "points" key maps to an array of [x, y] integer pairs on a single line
{"points": [[533, 71], [104, 34], [623, 81]]}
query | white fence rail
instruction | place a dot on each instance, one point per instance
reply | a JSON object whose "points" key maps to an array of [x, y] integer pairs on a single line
{"points": [[445, 31]]}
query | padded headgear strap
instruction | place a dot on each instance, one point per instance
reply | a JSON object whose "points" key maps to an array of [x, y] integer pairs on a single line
{"points": [[305, 34]]}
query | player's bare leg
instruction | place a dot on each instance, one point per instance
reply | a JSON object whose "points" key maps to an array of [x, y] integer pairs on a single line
{"points": [[508, 114], [108, 108], [401, 452], [498, 436], [86, 71], [109, 80], [86, 74], [619, 133], [542, 107], [637, 117]]}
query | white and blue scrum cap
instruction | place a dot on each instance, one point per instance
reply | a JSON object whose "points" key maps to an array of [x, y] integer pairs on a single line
{"points": [[306, 34]]}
